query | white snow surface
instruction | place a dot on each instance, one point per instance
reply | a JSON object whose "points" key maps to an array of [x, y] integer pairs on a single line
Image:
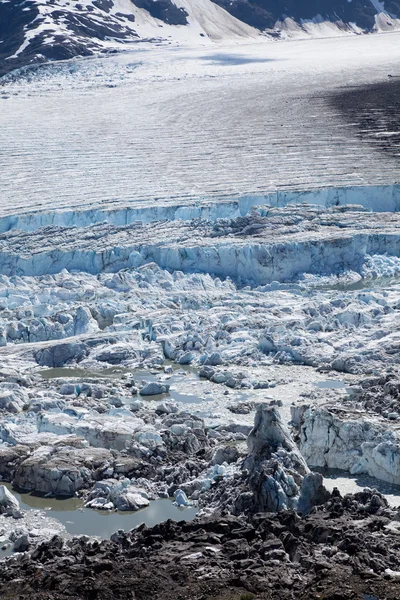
{"points": [[172, 125]]}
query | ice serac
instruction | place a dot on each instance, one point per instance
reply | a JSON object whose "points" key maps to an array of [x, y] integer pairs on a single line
{"points": [[273, 244], [270, 434], [7, 500], [100, 431], [355, 444], [274, 475], [276, 467], [378, 198]]}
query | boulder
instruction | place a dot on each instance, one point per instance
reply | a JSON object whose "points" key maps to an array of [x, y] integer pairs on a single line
{"points": [[131, 500], [154, 388]]}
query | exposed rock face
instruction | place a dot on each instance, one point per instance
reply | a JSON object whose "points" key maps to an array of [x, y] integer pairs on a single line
{"points": [[77, 30], [164, 10], [265, 14]]}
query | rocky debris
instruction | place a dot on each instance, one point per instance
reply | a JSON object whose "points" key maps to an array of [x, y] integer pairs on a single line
{"points": [[23, 529], [346, 548], [10, 458], [241, 408], [380, 395], [183, 432], [116, 355], [225, 454]]}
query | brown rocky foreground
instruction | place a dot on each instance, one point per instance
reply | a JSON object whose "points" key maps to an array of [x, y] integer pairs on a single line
{"points": [[347, 549]]}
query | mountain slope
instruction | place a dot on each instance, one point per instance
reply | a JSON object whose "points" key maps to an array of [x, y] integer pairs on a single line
{"points": [[289, 15], [34, 31]]}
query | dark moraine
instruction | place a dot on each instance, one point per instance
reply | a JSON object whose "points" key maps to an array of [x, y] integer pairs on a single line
{"points": [[347, 549], [374, 111]]}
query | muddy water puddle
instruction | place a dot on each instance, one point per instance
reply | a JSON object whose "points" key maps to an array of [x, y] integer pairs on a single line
{"points": [[139, 375], [86, 521], [331, 384]]}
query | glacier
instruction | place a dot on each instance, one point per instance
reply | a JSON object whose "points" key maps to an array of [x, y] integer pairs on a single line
{"points": [[157, 333], [321, 242]]}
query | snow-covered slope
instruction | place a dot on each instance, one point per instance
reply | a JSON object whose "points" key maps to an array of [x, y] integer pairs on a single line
{"points": [[34, 31]]}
